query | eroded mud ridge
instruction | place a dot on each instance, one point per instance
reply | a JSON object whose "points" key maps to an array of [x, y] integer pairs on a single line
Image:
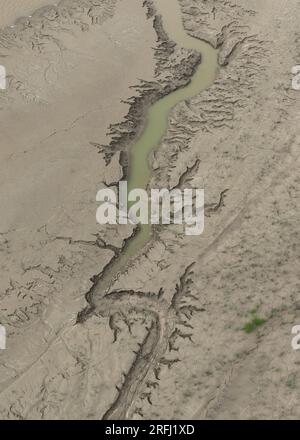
{"points": [[169, 321], [41, 32]]}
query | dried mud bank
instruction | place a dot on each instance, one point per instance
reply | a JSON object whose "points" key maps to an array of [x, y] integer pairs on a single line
{"points": [[244, 131], [166, 345], [161, 336], [41, 33], [65, 80], [51, 253], [244, 266]]}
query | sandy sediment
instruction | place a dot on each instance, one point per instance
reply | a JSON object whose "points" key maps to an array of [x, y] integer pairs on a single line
{"points": [[244, 266], [244, 133], [65, 84], [11, 10]]}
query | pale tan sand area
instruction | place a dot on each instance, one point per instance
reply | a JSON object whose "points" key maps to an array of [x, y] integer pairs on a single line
{"points": [[11, 10]]}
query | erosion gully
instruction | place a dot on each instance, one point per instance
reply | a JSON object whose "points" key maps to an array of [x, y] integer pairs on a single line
{"points": [[166, 317]]}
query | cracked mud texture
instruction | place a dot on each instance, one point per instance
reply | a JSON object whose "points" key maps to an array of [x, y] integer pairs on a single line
{"points": [[167, 341]]}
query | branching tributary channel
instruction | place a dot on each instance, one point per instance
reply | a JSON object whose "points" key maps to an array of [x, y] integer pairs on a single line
{"points": [[165, 316]]}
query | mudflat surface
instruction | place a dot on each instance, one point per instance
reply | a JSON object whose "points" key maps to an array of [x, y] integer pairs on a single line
{"points": [[11, 10], [191, 327]]}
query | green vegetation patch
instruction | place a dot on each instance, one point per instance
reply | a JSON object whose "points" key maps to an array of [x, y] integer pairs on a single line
{"points": [[253, 324]]}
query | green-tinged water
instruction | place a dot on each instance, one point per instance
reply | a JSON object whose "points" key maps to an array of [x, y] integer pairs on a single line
{"points": [[157, 121]]}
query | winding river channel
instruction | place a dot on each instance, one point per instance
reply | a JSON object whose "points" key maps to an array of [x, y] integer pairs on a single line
{"points": [[156, 127]]}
